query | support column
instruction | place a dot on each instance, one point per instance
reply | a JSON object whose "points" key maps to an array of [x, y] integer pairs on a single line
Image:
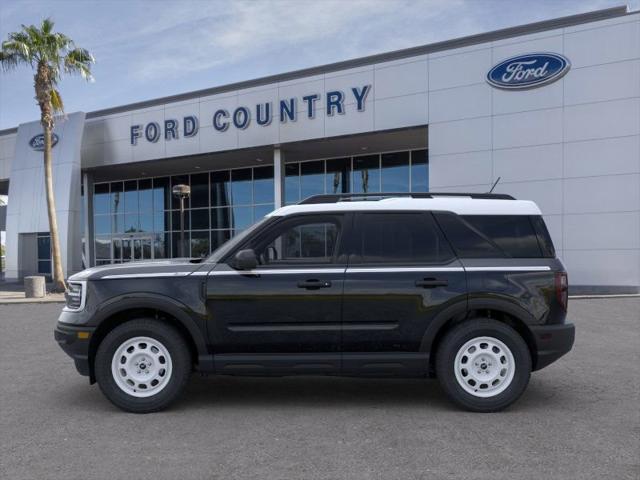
{"points": [[87, 221], [278, 177]]}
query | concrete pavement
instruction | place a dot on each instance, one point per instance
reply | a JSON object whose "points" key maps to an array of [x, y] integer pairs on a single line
{"points": [[579, 418]]}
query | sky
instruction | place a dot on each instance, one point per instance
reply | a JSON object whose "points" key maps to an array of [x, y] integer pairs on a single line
{"points": [[150, 49]]}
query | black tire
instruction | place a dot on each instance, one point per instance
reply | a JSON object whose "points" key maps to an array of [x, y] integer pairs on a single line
{"points": [[180, 359], [456, 338]]}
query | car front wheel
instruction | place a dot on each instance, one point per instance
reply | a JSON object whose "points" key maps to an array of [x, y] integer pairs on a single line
{"points": [[483, 365], [143, 365]]}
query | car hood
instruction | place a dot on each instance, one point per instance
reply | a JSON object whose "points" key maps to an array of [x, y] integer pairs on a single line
{"points": [[171, 268]]}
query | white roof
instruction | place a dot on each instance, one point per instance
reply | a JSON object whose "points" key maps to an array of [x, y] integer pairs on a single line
{"points": [[461, 205]]}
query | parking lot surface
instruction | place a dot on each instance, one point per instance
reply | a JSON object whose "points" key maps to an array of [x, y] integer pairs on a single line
{"points": [[579, 418]]}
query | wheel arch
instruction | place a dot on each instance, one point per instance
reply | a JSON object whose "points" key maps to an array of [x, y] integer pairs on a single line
{"points": [[501, 309], [121, 310]]}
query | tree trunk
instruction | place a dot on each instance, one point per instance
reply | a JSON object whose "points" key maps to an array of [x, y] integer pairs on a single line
{"points": [[43, 86], [58, 275]]}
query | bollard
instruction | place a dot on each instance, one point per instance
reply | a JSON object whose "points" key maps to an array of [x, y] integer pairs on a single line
{"points": [[34, 287]]}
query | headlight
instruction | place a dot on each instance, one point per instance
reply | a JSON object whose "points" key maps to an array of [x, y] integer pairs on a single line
{"points": [[76, 295]]}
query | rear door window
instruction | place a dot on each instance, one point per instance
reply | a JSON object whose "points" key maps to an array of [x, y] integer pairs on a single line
{"points": [[412, 238]]}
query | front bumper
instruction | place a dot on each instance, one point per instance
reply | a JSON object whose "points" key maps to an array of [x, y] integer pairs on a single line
{"points": [[74, 340], [552, 342]]}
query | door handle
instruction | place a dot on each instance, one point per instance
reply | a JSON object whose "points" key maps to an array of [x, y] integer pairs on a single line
{"points": [[431, 283], [314, 284]]}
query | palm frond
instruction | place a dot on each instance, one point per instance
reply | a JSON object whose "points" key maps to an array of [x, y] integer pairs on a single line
{"points": [[79, 61], [56, 101]]}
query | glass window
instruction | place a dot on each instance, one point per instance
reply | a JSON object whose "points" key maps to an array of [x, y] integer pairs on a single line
{"points": [[292, 183], [131, 203], [145, 195], [103, 247], [261, 210], [221, 218], [117, 199], [546, 244], [117, 223], [242, 217], [175, 220], [179, 180], [466, 241], [131, 222], [146, 222], [200, 190], [366, 174], [161, 245], [117, 249], [337, 176], [161, 194], [311, 240], [44, 247], [220, 189], [200, 219], [44, 267], [101, 199], [513, 234], [175, 244], [311, 179], [420, 171], [263, 186], [199, 244], [160, 221], [401, 238], [218, 237], [395, 172], [241, 191], [102, 224]]}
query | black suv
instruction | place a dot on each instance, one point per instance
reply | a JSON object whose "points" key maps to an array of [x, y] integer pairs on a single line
{"points": [[463, 287]]}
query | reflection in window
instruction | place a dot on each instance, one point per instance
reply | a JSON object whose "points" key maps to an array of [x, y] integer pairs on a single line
{"points": [[337, 176], [420, 171], [263, 185], [366, 174], [292, 183], [220, 189], [395, 172], [241, 193], [315, 242], [199, 244], [311, 179]]}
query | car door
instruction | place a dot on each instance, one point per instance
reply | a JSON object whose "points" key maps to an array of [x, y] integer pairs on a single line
{"points": [[284, 314], [401, 273]]}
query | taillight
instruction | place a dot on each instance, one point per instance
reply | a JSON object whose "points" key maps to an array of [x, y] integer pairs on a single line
{"points": [[562, 289]]}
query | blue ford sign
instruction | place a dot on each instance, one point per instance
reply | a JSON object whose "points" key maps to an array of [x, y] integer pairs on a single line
{"points": [[37, 142], [528, 71]]}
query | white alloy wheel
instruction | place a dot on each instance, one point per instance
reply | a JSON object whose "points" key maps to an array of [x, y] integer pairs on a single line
{"points": [[141, 367], [484, 367]]}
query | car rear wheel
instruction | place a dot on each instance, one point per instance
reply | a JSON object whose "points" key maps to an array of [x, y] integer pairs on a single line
{"points": [[143, 365], [483, 365]]}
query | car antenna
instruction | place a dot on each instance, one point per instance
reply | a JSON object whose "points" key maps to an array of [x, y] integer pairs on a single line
{"points": [[494, 185]]}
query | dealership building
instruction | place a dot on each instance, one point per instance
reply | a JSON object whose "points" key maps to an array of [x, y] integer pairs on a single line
{"points": [[551, 109]]}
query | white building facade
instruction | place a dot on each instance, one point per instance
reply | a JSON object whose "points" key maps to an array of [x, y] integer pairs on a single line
{"points": [[552, 109]]}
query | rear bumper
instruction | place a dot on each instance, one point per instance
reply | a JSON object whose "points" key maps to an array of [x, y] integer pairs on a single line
{"points": [[552, 342], [74, 345]]}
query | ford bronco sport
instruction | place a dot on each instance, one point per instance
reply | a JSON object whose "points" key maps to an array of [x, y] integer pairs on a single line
{"points": [[463, 287]]}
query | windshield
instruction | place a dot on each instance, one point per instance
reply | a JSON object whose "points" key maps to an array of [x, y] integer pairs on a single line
{"points": [[230, 244]]}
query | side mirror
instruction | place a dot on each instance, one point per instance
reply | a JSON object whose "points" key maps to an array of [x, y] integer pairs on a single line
{"points": [[245, 260]]}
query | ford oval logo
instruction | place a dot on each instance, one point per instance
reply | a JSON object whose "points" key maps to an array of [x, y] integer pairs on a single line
{"points": [[37, 142], [528, 71]]}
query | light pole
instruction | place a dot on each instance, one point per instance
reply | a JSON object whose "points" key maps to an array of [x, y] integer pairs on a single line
{"points": [[182, 192]]}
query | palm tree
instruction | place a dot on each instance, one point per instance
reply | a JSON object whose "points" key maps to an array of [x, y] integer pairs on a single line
{"points": [[50, 55]]}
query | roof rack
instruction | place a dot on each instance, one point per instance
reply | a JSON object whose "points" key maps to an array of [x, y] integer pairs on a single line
{"points": [[354, 197]]}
